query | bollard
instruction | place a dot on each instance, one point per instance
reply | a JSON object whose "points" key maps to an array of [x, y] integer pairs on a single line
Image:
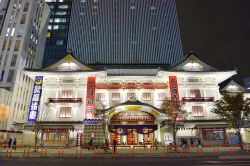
{"points": [[24, 151], [59, 151], [63, 152], [7, 151], [230, 152], [45, 153], [81, 152], [76, 152], [181, 152], [41, 155], [165, 152], [28, 153]]}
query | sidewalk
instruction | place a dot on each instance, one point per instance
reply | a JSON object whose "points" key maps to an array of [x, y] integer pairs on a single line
{"points": [[127, 152]]}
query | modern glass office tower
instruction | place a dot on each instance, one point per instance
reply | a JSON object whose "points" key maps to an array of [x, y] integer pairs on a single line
{"points": [[116, 31], [58, 28]]}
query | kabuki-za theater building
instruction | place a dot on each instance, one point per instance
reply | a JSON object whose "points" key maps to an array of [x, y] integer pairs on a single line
{"points": [[73, 102]]}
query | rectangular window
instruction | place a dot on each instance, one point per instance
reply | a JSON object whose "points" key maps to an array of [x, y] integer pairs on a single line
{"points": [[20, 31], [65, 112], [100, 97], [23, 18], [17, 45], [192, 79], [115, 96], [4, 44], [59, 42], [63, 6], [48, 34], [13, 60], [10, 76], [195, 93], [146, 96], [68, 81], [130, 95], [161, 96], [26, 7], [67, 94], [197, 111], [9, 45], [59, 20]]}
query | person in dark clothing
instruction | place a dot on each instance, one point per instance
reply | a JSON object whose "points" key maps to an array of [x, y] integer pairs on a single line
{"points": [[9, 143], [91, 144], [114, 146], [192, 142], [14, 144]]}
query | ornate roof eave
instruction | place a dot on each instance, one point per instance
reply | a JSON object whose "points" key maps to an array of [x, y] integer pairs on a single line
{"points": [[219, 76], [32, 73]]}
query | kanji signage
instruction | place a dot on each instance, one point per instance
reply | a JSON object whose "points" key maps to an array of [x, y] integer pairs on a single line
{"points": [[35, 99], [175, 102], [90, 98]]}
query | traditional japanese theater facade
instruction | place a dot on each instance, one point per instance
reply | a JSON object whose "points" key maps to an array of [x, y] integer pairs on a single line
{"points": [[72, 102]]}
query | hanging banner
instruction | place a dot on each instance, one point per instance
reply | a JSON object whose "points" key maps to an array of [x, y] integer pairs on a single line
{"points": [[35, 99], [90, 98], [175, 102]]}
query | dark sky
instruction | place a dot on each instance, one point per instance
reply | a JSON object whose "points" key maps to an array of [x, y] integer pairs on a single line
{"points": [[219, 32]]}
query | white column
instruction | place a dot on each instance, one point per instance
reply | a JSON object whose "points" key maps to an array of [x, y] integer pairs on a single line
{"points": [[159, 133]]}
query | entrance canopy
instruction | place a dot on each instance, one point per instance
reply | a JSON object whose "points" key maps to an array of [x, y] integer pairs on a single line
{"points": [[135, 106]]}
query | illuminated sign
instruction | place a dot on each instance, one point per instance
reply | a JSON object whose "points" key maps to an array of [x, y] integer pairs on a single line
{"points": [[35, 99], [175, 102], [90, 98]]}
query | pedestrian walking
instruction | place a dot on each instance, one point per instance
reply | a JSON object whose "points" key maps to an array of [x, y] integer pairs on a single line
{"points": [[9, 142], [114, 146], [14, 144]]}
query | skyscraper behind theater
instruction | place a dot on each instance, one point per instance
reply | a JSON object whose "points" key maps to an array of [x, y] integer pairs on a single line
{"points": [[120, 32]]}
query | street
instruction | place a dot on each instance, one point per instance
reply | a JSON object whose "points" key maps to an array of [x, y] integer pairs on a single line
{"points": [[124, 162]]}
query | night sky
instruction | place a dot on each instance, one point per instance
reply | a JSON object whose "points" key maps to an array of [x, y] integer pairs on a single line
{"points": [[219, 32]]}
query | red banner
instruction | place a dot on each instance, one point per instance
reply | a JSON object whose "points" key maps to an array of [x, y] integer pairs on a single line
{"points": [[90, 98], [175, 102]]}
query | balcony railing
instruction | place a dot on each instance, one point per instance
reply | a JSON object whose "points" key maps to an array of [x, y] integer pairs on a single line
{"points": [[65, 100], [198, 99]]}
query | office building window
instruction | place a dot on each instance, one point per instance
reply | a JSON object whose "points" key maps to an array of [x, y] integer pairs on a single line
{"points": [[26, 7], [146, 96], [65, 112], [197, 111], [59, 20], [60, 13], [10, 76], [59, 42], [20, 31], [63, 6], [23, 18], [195, 93], [9, 45], [17, 45], [49, 27], [13, 60], [67, 94]]}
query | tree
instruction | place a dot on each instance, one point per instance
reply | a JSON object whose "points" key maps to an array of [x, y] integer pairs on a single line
{"points": [[175, 116], [233, 109]]}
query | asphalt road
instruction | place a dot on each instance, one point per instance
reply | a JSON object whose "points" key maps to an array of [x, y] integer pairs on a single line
{"points": [[123, 162]]}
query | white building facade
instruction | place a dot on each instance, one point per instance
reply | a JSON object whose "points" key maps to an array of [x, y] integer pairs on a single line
{"points": [[75, 101]]}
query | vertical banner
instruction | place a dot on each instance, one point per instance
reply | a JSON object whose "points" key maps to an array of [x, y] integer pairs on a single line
{"points": [[35, 99], [90, 98], [175, 102]]}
